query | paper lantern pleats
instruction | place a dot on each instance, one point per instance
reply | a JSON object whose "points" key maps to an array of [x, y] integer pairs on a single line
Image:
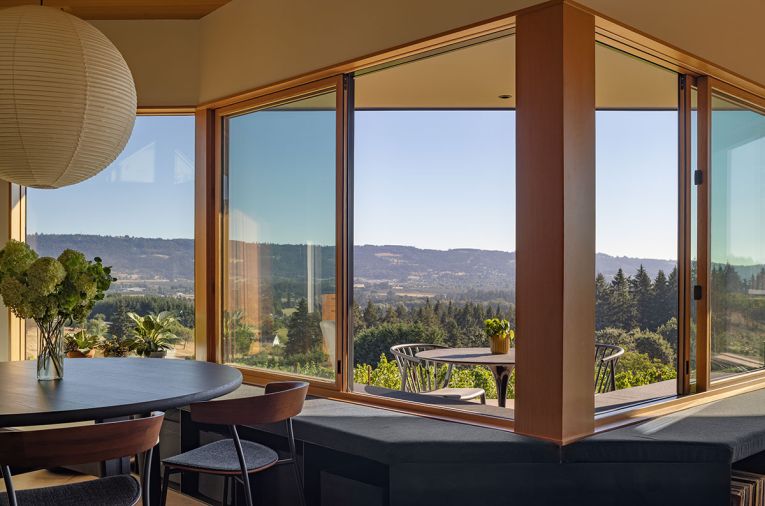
{"points": [[67, 98]]}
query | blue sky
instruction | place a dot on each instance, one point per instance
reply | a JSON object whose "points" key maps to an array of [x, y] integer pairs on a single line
{"points": [[430, 179], [147, 192]]}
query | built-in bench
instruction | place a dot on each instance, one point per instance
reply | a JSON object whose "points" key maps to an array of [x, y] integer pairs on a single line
{"points": [[355, 454]]}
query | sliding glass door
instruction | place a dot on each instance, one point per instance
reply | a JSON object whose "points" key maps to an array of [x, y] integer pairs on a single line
{"points": [[279, 170]]}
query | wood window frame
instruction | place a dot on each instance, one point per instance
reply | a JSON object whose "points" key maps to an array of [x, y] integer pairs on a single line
{"points": [[17, 216], [609, 32], [255, 375]]}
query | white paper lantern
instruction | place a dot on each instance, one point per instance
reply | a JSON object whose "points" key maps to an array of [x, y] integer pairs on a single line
{"points": [[67, 98]]}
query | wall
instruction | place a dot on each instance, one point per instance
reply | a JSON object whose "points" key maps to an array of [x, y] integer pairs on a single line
{"points": [[250, 43], [163, 56]]}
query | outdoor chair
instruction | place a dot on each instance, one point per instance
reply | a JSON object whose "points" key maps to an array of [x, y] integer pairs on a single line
{"points": [[43, 449], [233, 458], [606, 358], [422, 376]]}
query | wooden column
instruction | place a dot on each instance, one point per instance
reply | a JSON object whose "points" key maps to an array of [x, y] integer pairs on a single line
{"points": [[206, 202], [703, 263], [555, 79]]}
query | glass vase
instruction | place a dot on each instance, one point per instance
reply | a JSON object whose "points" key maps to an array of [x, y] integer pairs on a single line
{"points": [[50, 354]]}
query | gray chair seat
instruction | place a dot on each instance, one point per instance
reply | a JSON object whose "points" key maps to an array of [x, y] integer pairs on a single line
{"points": [[462, 394], [121, 490], [221, 457]]}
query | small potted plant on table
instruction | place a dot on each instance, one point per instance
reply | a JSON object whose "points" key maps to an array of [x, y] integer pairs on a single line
{"points": [[153, 334], [500, 335], [81, 345]]}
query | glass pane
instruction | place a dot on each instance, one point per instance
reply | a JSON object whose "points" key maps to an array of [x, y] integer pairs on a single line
{"points": [[737, 291], [138, 216], [434, 219], [636, 230], [279, 244]]}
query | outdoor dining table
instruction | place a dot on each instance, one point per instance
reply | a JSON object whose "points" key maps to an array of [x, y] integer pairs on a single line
{"points": [[501, 365], [107, 389]]}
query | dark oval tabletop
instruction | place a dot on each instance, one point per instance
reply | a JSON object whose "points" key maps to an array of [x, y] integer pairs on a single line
{"points": [[101, 388], [468, 356]]}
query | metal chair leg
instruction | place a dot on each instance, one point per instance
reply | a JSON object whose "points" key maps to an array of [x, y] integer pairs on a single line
{"points": [[483, 398], [298, 479], [225, 491], [165, 486]]}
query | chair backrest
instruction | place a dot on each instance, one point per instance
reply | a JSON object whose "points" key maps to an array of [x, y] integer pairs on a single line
{"points": [[418, 375], [79, 445], [606, 358], [281, 401]]}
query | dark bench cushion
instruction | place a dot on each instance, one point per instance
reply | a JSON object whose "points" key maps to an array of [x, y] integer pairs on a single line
{"points": [[391, 437], [726, 430]]}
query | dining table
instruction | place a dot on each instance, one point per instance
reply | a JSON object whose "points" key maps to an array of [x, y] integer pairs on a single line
{"points": [[501, 365], [109, 389]]}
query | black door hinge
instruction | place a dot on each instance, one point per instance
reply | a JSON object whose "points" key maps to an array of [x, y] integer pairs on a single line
{"points": [[687, 367], [682, 82], [698, 177], [696, 292], [339, 367]]}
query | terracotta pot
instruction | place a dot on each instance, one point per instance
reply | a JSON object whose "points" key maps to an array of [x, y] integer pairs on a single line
{"points": [[79, 354], [499, 345]]}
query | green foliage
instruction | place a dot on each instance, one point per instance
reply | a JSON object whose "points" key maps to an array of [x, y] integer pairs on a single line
{"points": [[385, 375], [115, 346], [152, 333], [81, 341], [494, 327], [48, 290], [303, 331], [636, 369], [654, 346], [369, 344]]}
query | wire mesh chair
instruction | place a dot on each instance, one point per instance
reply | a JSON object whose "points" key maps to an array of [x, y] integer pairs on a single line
{"points": [[606, 358], [427, 377]]}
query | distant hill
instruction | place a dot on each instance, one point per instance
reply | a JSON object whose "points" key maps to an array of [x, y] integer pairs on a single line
{"points": [[151, 262]]}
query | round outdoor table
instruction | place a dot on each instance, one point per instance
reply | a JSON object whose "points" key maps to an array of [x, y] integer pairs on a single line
{"points": [[104, 388], [500, 365]]}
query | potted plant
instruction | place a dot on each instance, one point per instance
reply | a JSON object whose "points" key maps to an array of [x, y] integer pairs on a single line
{"points": [[115, 346], [500, 335], [50, 291], [81, 345], [153, 334]]}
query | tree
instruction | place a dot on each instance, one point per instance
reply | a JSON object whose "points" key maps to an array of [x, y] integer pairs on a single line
{"points": [[303, 331], [121, 322], [641, 289], [602, 300], [371, 343], [622, 312], [371, 315]]}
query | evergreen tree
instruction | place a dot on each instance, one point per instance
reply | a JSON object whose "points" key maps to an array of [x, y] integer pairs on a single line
{"points": [[121, 323], [303, 332], [602, 300], [641, 289], [371, 315], [622, 311], [357, 318]]}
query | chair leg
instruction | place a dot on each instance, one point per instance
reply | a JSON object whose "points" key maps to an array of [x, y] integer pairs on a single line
{"points": [[299, 481], [483, 398], [225, 491], [165, 486]]}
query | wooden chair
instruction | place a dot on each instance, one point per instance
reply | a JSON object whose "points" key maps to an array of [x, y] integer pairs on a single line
{"points": [[422, 376], [234, 458], [42, 449], [606, 358]]}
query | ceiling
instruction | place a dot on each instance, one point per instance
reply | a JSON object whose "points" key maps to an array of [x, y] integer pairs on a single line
{"points": [[128, 9], [477, 76]]}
